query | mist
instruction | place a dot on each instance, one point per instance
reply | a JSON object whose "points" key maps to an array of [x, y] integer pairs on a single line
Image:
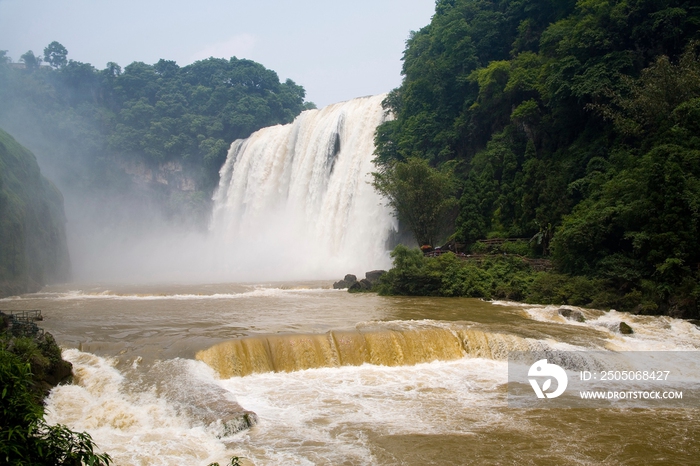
{"points": [[128, 228]]}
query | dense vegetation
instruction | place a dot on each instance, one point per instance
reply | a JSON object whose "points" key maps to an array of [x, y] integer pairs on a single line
{"points": [[571, 123], [86, 125], [29, 365], [33, 249]]}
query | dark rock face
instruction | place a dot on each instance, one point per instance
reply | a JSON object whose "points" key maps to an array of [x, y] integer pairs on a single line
{"points": [[347, 282], [366, 284], [374, 276], [33, 247], [26, 340], [572, 315], [625, 329], [355, 287]]}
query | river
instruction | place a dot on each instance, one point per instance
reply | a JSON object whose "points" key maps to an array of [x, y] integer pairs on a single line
{"points": [[394, 391]]}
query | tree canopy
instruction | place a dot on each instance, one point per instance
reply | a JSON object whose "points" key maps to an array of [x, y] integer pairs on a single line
{"points": [[571, 122], [83, 123]]}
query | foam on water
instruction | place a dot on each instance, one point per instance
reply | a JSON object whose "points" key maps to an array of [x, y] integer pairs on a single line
{"points": [[257, 292], [304, 415], [135, 428], [651, 333]]}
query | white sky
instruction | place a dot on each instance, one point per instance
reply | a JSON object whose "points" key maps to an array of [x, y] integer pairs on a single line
{"points": [[337, 50]]}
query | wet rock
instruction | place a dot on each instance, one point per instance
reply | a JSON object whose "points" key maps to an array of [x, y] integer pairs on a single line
{"points": [[341, 285], [374, 276], [200, 399], [625, 329], [365, 284], [346, 282], [695, 322], [355, 287], [24, 338], [572, 315]]}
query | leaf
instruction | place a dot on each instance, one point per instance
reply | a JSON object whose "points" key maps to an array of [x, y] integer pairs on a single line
{"points": [[546, 385]]}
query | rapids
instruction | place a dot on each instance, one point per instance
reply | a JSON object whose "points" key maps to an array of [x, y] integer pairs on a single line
{"points": [[426, 384]]}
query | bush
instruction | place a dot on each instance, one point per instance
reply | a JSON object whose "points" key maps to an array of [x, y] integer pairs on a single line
{"points": [[25, 438]]}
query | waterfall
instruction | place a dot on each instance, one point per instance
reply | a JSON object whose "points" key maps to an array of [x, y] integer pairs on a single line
{"points": [[295, 201], [386, 344]]}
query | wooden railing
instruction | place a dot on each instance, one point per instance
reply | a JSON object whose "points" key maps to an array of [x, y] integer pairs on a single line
{"points": [[21, 323], [29, 315]]}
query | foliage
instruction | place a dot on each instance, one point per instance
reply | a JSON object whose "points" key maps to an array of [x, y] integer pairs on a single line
{"points": [[26, 439], [32, 234], [421, 196], [235, 461], [520, 96], [86, 125], [497, 277]]}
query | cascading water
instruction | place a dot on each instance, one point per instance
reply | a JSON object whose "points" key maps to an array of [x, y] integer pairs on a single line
{"points": [[295, 201]]}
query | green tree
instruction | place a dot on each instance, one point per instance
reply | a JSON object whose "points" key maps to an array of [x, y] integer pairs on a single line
{"points": [[56, 55], [421, 196], [31, 61], [25, 438]]}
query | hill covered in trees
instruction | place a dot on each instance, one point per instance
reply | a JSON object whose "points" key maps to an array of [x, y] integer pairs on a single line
{"points": [[33, 248], [571, 123], [98, 131]]}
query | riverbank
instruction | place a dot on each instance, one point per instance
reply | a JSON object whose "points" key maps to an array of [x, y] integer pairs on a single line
{"points": [[509, 277]]}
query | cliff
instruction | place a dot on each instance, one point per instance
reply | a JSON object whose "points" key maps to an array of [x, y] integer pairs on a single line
{"points": [[33, 248]]}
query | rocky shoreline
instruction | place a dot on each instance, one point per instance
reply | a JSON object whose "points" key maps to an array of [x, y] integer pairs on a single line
{"points": [[39, 349], [353, 285]]}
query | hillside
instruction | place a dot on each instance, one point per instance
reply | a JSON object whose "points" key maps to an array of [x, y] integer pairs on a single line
{"points": [[33, 250], [572, 124]]}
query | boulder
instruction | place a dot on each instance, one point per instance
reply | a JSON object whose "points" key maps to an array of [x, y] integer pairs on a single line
{"points": [[572, 315], [374, 275], [625, 329], [695, 322], [365, 284], [355, 287], [345, 282], [341, 285]]}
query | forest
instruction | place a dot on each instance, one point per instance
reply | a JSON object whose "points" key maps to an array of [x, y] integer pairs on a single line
{"points": [[573, 125], [86, 125]]}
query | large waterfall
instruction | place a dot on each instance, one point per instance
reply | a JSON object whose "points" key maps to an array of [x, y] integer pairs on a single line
{"points": [[295, 201]]}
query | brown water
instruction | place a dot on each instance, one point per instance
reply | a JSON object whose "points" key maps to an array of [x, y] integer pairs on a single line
{"points": [[337, 378]]}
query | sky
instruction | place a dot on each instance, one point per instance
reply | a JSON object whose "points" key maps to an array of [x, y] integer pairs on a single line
{"points": [[337, 50]]}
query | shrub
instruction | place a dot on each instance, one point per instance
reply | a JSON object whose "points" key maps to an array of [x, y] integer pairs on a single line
{"points": [[25, 438]]}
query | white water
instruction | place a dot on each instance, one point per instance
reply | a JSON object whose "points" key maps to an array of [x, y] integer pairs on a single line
{"points": [[435, 412], [295, 201]]}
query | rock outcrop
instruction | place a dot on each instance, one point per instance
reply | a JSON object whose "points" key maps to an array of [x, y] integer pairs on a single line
{"points": [[572, 315], [33, 247], [39, 349], [625, 329], [366, 284]]}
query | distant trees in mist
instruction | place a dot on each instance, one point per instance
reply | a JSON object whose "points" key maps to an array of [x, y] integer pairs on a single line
{"points": [[81, 121]]}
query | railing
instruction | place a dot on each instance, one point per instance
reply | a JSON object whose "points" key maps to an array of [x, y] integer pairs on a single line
{"points": [[30, 315], [21, 323]]}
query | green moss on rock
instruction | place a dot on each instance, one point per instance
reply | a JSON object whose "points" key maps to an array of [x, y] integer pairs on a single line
{"points": [[34, 251]]}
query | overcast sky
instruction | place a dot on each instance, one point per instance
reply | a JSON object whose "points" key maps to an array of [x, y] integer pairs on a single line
{"points": [[337, 50]]}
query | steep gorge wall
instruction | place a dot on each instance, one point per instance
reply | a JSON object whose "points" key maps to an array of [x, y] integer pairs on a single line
{"points": [[33, 248]]}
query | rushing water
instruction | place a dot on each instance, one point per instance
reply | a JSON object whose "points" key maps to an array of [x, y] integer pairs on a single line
{"points": [[296, 200], [405, 380]]}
